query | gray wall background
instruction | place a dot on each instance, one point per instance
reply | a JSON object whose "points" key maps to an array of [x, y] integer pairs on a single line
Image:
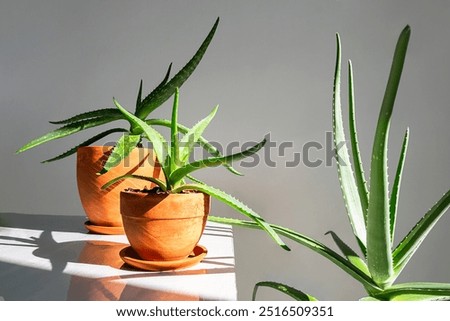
{"points": [[270, 68]]}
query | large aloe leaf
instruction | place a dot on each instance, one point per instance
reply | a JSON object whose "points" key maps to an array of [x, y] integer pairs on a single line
{"points": [[160, 145], [123, 148], [312, 244], [89, 115], [379, 256], [161, 94], [286, 289], [155, 180], [359, 172], [175, 140], [351, 255], [237, 205], [193, 135], [86, 143], [69, 129], [393, 202], [161, 84], [418, 291], [213, 161], [201, 141], [409, 245], [348, 184]]}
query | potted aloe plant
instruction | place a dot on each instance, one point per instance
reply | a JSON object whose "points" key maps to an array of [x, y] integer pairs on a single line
{"points": [[164, 224], [372, 211], [102, 206]]}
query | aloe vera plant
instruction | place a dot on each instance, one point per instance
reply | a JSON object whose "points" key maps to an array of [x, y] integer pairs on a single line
{"points": [[133, 136], [372, 211], [174, 159]]}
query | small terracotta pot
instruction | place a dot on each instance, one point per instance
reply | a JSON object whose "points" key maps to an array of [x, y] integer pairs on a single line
{"points": [[102, 207], [164, 227]]}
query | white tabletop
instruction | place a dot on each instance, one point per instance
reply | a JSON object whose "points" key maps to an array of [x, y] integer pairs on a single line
{"points": [[50, 257]]}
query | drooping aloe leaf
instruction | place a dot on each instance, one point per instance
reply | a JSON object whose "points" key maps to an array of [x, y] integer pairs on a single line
{"points": [[67, 130], [193, 135], [379, 256], [121, 150], [424, 291], [160, 145], [357, 163], [213, 161], [86, 143], [311, 244], [195, 180], [393, 202], [201, 141], [409, 245], [348, 184], [88, 115], [160, 95], [351, 255], [237, 205], [157, 181], [286, 289], [161, 84]]}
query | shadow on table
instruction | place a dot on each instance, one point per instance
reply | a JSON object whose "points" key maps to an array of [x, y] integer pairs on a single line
{"points": [[22, 282]]}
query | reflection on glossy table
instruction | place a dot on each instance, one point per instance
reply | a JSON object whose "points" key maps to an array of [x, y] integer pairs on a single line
{"points": [[50, 257]]}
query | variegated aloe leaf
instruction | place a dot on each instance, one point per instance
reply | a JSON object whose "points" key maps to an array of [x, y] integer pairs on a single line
{"points": [[201, 141], [237, 205], [191, 138], [69, 129], [393, 202], [348, 184], [286, 289], [312, 244], [213, 161], [89, 115], [409, 245], [379, 255], [161, 94], [121, 150], [87, 143]]}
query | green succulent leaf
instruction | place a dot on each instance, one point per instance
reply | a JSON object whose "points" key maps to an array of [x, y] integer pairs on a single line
{"points": [[312, 244], [161, 94], [86, 143], [351, 255], [67, 130], [160, 145], [213, 161], [359, 172], [423, 291], [123, 148], [237, 205], [409, 245], [201, 141], [393, 203], [348, 184], [286, 289], [154, 180], [379, 256], [193, 135], [175, 140], [109, 112], [139, 97]]}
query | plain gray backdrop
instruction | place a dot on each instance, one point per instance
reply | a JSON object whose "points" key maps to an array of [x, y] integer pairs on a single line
{"points": [[270, 67]]}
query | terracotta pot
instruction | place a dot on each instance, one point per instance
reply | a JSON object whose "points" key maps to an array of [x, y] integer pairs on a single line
{"points": [[102, 207], [164, 227]]}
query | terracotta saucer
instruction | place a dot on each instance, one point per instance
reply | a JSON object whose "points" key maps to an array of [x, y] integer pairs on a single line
{"points": [[108, 230], [129, 256]]}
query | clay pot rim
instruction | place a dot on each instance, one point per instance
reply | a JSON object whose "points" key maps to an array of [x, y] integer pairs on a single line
{"points": [[147, 192]]}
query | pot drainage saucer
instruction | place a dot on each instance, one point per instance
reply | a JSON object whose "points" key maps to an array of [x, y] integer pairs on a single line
{"points": [[108, 230], [130, 257]]}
